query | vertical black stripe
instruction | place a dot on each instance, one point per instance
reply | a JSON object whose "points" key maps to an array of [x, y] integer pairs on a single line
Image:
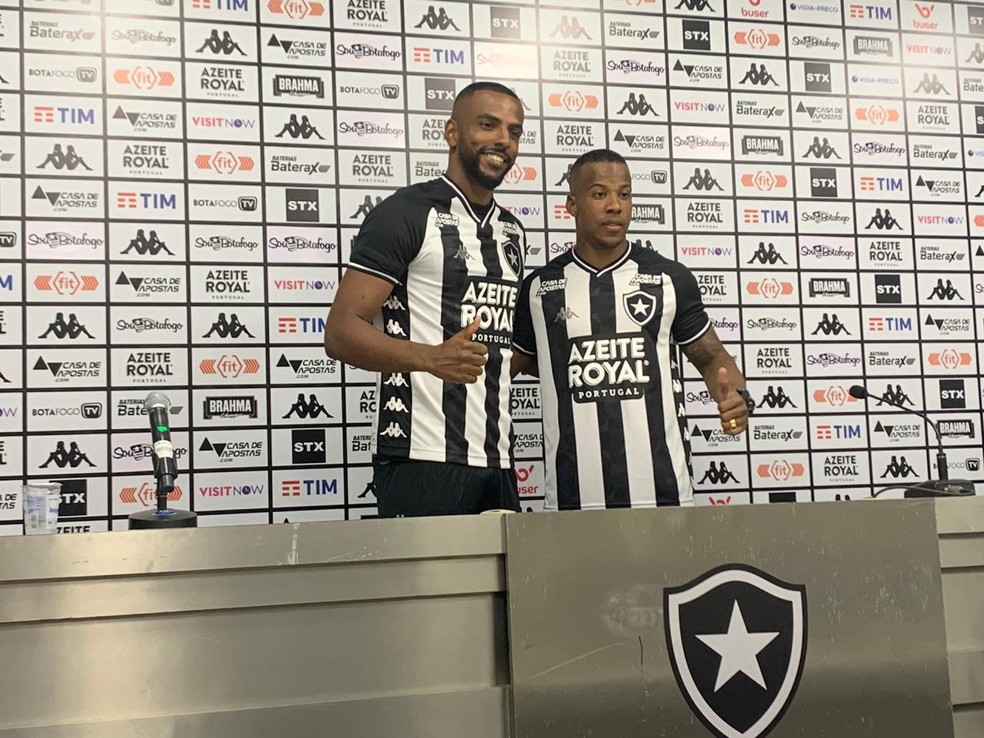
{"points": [[492, 377], [611, 433], [453, 285], [554, 311], [663, 469], [395, 396]]}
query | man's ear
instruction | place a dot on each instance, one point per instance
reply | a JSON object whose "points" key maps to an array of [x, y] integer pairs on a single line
{"points": [[571, 206], [451, 132]]}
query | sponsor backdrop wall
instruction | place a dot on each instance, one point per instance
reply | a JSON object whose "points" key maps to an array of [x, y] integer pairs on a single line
{"points": [[180, 181]]}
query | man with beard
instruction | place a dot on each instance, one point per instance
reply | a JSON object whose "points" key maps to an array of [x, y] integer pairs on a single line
{"points": [[428, 301]]}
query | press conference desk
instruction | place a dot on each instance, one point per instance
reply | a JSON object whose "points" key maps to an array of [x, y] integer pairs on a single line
{"points": [[402, 627]]}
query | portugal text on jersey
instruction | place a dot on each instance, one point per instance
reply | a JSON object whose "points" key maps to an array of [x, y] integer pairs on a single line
{"points": [[614, 426], [448, 265]]}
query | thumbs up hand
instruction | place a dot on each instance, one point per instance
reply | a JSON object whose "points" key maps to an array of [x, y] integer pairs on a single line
{"points": [[731, 406]]}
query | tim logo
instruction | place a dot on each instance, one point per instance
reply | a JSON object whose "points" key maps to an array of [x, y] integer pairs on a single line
{"points": [[737, 642], [570, 28]]}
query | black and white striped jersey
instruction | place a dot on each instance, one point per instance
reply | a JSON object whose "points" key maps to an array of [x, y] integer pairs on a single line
{"points": [[447, 264], [614, 423]]}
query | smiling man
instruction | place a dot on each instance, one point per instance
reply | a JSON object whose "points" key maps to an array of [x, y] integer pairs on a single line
{"points": [[598, 325], [428, 301]]}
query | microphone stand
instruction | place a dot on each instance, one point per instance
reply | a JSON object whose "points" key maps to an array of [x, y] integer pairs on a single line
{"points": [[942, 487]]}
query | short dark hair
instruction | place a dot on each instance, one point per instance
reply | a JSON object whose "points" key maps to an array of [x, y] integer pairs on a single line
{"points": [[474, 87], [595, 156]]}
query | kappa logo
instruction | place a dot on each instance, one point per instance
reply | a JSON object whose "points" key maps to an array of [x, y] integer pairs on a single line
{"points": [[931, 85], [640, 306], [694, 6], [570, 28], [737, 641], [437, 20], [758, 75]]}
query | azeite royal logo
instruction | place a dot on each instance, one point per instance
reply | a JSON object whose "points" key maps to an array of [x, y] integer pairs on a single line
{"points": [[737, 641]]}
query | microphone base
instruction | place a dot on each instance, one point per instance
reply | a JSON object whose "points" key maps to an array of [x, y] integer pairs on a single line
{"points": [[158, 519], [941, 488]]}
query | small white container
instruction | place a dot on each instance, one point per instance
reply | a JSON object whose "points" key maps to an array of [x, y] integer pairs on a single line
{"points": [[41, 501]]}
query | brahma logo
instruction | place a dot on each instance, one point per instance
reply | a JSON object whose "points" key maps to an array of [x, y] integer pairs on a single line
{"points": [[950, 359], [143, 77], [780, 470], [769, 288], [224, 162], [66, 283], [757, 39], [147, 495], [877, 115], [296, 9], [573, 101], [229, 366], [834, 395], [764, 180]]}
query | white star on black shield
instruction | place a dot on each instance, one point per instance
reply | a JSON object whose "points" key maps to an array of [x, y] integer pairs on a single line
{"points": [[736, 638], [639, 306]]}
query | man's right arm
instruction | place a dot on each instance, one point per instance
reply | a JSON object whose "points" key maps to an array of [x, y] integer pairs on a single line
{"points": [[350, 336]]}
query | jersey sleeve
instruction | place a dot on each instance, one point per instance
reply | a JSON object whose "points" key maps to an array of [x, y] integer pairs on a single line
{"points": [[390, 238], [691, 321], [524, 339]]}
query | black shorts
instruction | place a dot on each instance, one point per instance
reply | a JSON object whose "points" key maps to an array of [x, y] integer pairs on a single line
{"points": [[407, 488]]}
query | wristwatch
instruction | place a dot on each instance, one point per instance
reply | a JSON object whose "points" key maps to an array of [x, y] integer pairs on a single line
{"points": [[748, 400]]}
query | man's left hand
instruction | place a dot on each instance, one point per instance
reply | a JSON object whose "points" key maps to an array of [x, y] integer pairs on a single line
{"points": [[731, 407]]}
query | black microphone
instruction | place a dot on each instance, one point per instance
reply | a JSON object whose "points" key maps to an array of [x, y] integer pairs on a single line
{"points": [[165, 467], [942, 487]]}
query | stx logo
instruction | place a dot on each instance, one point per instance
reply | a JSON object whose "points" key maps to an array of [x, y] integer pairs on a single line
{"points": [[834, 395], [147, 495], [424, 55], [769, 288], [780, 470], [877, 115], [520, 174], [229, 366], [143, 77], [66, 283], [757, 39], [573, 101], [296, 9], [75, 116], [765, 180], [224, 162], [950, 359]]}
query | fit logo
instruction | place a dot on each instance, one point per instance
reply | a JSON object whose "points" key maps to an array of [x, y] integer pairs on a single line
{"points": [[143, 78]]}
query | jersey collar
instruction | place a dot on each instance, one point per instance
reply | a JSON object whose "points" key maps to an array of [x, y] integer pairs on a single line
{"points": [[610, 268], [468, 207]]}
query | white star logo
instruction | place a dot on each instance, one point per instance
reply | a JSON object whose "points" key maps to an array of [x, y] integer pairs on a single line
{"points": [[639, 307], [739, 650]]}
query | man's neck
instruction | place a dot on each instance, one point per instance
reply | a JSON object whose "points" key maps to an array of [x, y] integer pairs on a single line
{"points": [[472, 191], [599, 258]]}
